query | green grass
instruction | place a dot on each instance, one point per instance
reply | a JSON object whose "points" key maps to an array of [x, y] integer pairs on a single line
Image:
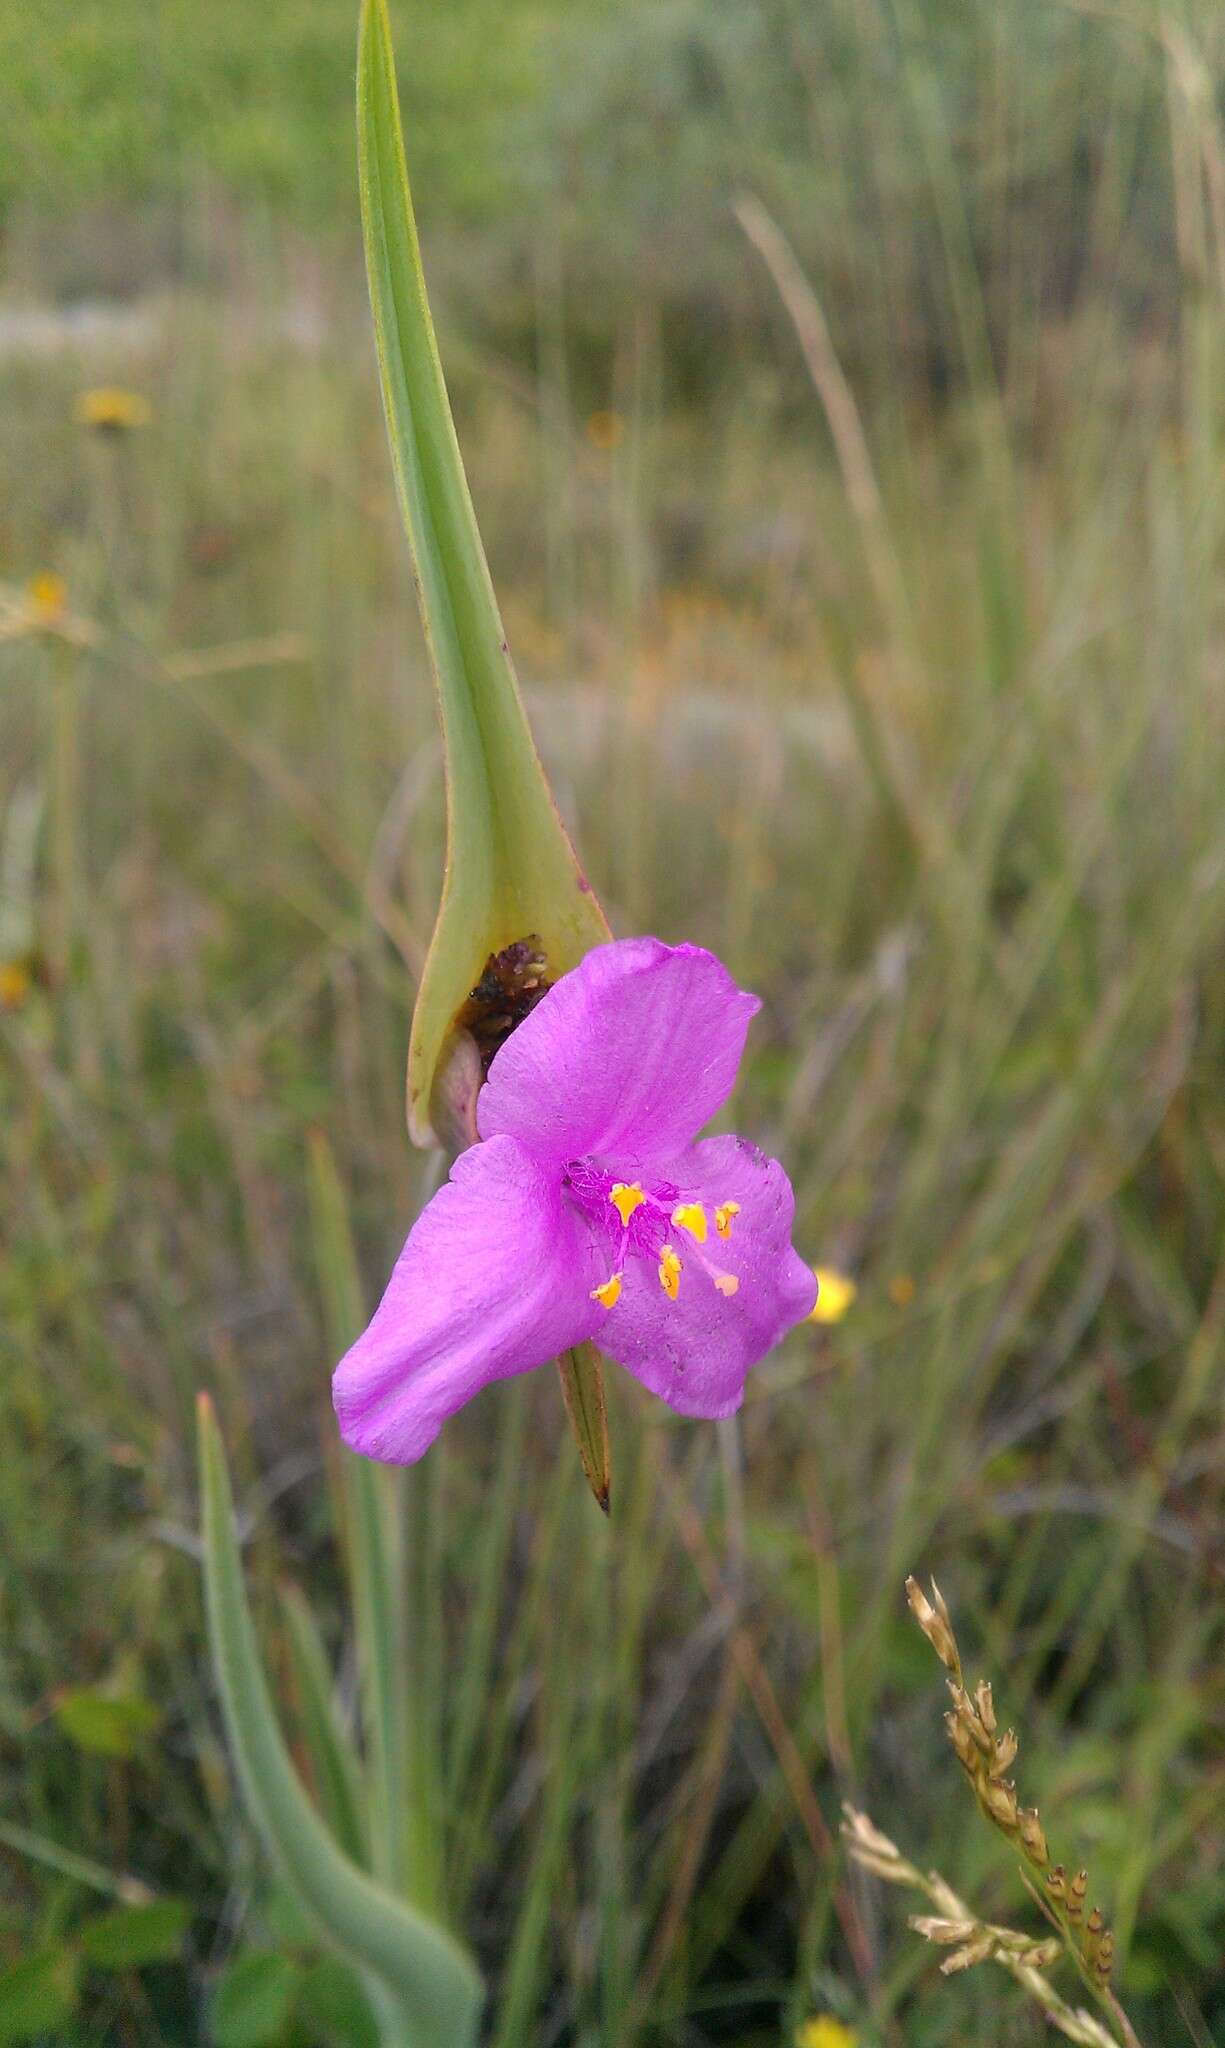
{"points": [[944, 787], [111, 103]]}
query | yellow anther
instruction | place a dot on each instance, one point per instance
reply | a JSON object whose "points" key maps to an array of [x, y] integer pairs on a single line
{"points": [[610, 1293], [625, 1199], [691, 1216], [669, 1272], [727, 1283], [723, 1217]]}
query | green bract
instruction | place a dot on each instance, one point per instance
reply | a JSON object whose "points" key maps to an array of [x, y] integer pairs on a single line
{"points": [[511, 872]]}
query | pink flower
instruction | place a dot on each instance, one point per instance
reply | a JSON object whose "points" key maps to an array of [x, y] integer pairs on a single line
{"points": [[588, 1211]]}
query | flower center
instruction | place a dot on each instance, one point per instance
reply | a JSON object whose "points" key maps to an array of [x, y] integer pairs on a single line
{"points": [[647, 1223]]}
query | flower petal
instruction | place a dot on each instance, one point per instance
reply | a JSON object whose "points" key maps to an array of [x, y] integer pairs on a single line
{"points": [[495, 1278], [631, 1053], [695, 1350]]}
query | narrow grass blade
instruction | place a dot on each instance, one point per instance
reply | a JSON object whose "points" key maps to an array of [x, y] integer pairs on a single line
{"points": [[335, 1254], [376, 1574], [486, 1562], [334, 1762], [434, 1983], [426, 1681], [81, 1869], [372, 1502]]}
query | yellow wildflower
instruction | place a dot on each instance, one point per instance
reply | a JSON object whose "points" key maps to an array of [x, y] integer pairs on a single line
{"points": [[825, 2032], [606, 431], [41, 606], [47, 594], [16, 981], [837, 1293], [111, 410], [901, 1290]]}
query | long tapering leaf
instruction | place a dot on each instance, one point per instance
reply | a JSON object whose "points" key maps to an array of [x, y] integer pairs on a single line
{"points": [[434, 1983], [511, 870]]}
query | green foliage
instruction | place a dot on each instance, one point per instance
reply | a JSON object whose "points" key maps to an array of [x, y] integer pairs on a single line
{"points": [[969, 849], [37, 1994], [105, 1723], [333, 2008], [258, 101], [130, 1937], [252, 2001], [622, 135]]}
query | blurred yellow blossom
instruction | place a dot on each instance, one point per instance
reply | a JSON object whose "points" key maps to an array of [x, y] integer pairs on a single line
{"points": [[112, 410], [16, 981], [901, 1290], [605, 431], [837, 1293], [41, 606], [825, 2032], [47, 594]]}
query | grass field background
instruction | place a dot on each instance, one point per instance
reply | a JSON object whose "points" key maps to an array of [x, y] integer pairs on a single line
{"points": [[893, 672]]}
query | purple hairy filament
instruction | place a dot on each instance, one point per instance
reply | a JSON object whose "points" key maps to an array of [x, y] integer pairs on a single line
{"points": [[654, 1223]]}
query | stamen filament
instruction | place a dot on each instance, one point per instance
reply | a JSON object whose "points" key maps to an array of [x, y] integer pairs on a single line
{"points": [[727, 1283]]}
